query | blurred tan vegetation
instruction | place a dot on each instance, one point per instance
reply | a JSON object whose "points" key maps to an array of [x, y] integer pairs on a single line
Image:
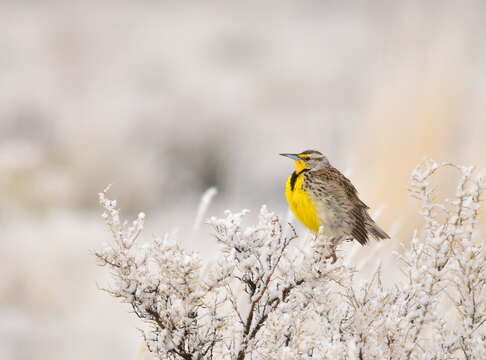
{"points": [[164, 99]]}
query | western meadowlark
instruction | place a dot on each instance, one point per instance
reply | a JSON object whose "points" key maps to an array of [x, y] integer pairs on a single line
{"points": [[324, 200]]}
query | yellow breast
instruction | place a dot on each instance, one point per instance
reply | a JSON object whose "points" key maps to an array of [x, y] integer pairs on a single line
{"points": [[301, 204]]}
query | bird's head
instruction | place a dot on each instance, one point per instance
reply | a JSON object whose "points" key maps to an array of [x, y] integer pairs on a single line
{"points": [[309, 159]]}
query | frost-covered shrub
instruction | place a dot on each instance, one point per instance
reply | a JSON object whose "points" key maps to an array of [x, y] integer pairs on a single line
{"points": [[272, 295]]}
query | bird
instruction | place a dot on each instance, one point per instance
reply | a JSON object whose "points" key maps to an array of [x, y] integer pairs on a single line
{"points": [[326, 202]]}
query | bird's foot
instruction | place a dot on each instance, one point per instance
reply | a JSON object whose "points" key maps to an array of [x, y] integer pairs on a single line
{"points": [[332, 256], [325, 247], [333, 243]]}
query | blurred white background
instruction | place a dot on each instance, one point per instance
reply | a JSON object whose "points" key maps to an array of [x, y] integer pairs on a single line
{"points": [[164, 99]]}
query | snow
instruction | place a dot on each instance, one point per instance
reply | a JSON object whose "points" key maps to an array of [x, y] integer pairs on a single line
{"points": [[295, 303]]}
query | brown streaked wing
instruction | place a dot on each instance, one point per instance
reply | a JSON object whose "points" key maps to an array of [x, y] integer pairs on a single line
{"points": [[341, 186], [359, 231]]}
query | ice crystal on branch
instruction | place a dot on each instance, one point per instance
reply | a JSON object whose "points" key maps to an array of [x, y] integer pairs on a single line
{"points": [[272, 295]]}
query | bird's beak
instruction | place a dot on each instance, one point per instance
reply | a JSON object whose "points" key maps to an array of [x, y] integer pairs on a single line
{"points": [[292, 156]]}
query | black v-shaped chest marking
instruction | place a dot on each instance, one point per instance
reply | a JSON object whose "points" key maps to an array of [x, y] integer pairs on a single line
{"points": [[294, 177]]}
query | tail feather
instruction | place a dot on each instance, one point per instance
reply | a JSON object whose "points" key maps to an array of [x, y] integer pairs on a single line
{"points": [[375, 231]]}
